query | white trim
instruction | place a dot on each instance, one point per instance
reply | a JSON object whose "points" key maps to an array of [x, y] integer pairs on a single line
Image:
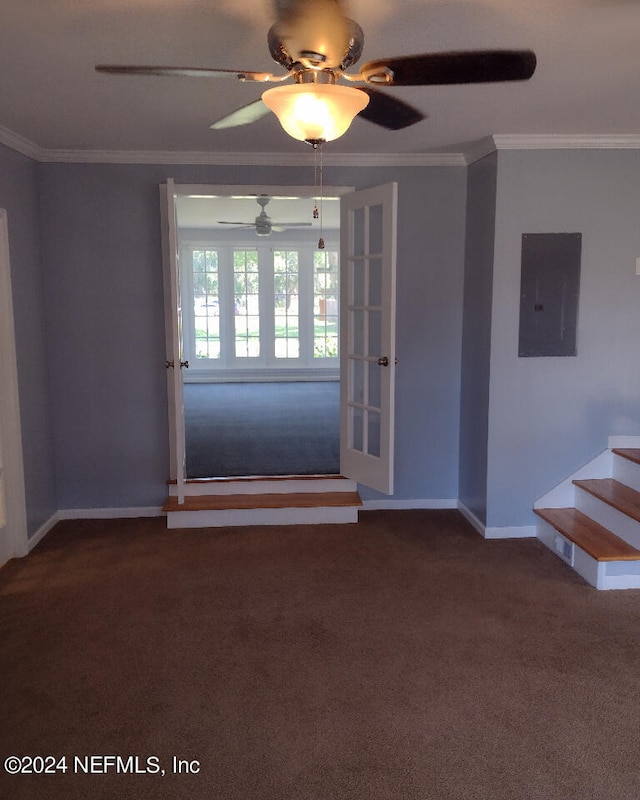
{"points": [[302, 158], [20, 144], [471, 517], [479, 150], [476, 151], [42, 531], [511, 532], [400, 505], [506, 532], [110, 513], [551, 141]]}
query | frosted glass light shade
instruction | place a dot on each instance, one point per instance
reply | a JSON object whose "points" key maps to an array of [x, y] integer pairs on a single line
{"points": [[315, 111]]}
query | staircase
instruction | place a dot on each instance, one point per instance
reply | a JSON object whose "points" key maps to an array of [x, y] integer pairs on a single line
{"points": [[592, 520], [263, 501]]}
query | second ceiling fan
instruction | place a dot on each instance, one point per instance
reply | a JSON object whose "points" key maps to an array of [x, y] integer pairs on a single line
{"points": [[263, 223]]}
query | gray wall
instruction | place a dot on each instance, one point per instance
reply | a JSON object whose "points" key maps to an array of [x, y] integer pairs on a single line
{"points": [[103, 285], [19, 196], [548, 416], [476, 340]]}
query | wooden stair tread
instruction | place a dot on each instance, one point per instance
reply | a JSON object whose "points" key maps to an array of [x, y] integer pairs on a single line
{"points": [[630, 453], [261, 478], [614, 493], [252, 501], [599, 542]]}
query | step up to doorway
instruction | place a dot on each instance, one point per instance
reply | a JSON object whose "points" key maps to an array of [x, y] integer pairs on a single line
{"points": [[599, 535], [244, 502]]}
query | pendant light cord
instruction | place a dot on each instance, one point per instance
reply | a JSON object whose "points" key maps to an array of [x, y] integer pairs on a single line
{"points": [[317, 214]]}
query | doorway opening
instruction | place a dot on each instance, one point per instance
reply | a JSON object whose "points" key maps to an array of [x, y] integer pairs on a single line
{"points": [[259, 331]]}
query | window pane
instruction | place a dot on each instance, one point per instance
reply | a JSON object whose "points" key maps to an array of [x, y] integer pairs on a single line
{"points": [[206, 305], [373, 433], [286, 303], [326, 291], [375, 229], [375, 282], [357, 428], [247, 303]]}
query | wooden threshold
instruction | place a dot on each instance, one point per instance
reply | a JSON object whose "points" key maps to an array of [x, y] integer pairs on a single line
{"points": [[265, 478], [599, 542], [248, 501], [614, 493]]}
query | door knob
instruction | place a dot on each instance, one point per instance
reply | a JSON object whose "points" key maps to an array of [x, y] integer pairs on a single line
{"points": [[383, 361]]}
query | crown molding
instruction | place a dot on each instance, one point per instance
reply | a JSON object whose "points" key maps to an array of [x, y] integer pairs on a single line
{"points": [[550, 141], [298, 159], [301, 158], [19, 144]]}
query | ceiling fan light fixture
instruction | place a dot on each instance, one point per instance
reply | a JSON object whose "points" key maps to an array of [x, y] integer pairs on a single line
{"points": [[315, 111]]}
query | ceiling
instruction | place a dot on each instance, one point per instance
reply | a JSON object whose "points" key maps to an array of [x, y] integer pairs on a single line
{"points": [[586, 83]]}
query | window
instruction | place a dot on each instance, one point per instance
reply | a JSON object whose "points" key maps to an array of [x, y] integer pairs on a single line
{"points": [[286, 310], [259, 307], [326, 290], [246, 288], [206, 303]]}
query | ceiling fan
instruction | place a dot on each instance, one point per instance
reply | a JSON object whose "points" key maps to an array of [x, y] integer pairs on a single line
{"points": [[315, 43], [263, 224]]}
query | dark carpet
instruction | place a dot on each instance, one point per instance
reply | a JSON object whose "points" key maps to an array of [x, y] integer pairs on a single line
{"points": [[403, 657], [235, 429]]}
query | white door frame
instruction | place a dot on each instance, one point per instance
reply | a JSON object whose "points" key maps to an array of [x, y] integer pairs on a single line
{"points": [[168, 192], [13, 512]]}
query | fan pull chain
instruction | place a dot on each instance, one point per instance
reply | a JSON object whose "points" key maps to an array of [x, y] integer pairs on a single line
{"points": [[317, 214]]}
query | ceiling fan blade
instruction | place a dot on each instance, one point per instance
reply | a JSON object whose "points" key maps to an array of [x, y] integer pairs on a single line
{"points": [[185, 72], [237, 224], [432, 69], [243, 116], [284, 225], [389, 112]]}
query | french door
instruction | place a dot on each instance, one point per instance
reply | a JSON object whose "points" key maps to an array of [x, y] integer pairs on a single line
{"points": [[368, 360], [367, 329]]}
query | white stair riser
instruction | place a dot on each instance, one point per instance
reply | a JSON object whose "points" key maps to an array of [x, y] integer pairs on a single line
{"points": [[583, 564], [627, 472], [262, 516], [623, 526], [599, 574], [285, 486]]}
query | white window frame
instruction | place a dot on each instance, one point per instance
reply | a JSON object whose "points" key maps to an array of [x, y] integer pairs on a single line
{"points": [[266, 366]]}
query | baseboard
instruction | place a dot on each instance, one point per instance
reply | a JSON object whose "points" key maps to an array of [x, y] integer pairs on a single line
{"points": [[511, 532], [111, 513], [400, 505], [506, 532], [42, 531]]}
